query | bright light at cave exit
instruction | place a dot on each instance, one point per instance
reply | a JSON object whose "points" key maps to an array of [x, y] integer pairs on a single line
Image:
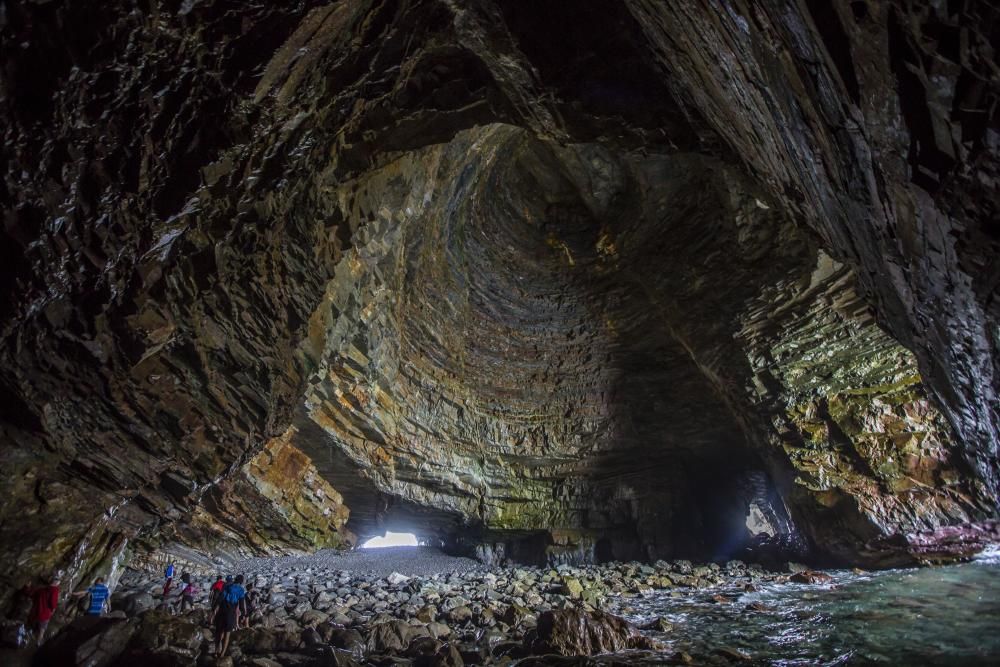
{"points": [[391, 540]]}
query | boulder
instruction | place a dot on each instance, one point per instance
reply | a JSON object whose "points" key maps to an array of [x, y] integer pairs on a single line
{"points": [[328, 657], [438, 630], [658, 624], [137, 603], [515, 615], [460, 615], [396, 579], [572, 587], [447, 655], [263, 662], [262, 641], [90, 641], [312, 618], [393, 636], [422, 647], [576, 632], [810, 577], [156, 638], [346, 639], [426, 614]]}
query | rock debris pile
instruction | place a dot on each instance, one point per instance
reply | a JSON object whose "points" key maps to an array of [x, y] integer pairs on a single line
{"points": [[311, 613]]}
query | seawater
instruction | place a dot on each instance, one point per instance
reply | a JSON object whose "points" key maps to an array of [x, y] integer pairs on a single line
{"points": [[945, 615]]}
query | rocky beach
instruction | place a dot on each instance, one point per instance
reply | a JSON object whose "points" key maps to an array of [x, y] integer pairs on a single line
{"points": [[417, 606], [410, 606]]}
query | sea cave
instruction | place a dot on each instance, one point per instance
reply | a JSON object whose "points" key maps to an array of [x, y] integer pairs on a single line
{"points": [[634, 332]]}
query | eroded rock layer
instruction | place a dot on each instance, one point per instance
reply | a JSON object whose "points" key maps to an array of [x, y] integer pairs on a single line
{"points": [[591, 286]]}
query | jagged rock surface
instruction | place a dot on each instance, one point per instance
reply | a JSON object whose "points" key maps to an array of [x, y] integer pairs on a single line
{"points": [[559, 294]]}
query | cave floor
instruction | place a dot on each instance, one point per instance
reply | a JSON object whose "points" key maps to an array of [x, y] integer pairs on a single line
{"points": [[380, 562], [406, 605]]}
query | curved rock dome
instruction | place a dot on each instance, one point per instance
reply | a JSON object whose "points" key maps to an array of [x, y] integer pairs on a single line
{"points": [[628, 281]]}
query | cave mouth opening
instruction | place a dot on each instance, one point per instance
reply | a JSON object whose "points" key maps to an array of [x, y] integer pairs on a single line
{"points": [[392, 539]]}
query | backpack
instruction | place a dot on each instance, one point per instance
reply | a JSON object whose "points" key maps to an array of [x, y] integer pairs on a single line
{"points": [[232, 594]]}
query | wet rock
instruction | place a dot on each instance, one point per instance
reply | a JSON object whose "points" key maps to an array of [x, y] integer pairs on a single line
{"points": [[810, 577], [732, 654], [659, 624], [946, 544], [447, 656], [263, 662], [426, 614], [422, 647], [516, 615], [332, 657], [573, 632]]}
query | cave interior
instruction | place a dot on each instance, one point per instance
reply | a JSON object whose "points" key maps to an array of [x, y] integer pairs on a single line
{"points": [[657, 280]]}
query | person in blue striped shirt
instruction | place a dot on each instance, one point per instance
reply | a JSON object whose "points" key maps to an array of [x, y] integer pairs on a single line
{"points": [[99, 598]]}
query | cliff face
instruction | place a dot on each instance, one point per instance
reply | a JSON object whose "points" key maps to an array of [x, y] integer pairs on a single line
{"points": [[587, 284]]}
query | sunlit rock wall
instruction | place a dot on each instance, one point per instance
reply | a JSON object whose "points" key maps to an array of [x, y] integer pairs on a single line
{"points": [[530, 336]]}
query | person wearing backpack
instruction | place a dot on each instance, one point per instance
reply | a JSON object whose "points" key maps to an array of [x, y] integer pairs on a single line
{"points": [[215, 592], [226, 615]]}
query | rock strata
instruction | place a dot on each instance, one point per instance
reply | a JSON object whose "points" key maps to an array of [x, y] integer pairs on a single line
{"points": [[638, 281]]}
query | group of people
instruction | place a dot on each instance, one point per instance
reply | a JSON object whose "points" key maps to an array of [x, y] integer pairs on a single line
{"points": [[187, 591], [231, 600], [232, 603], [44, 600]]}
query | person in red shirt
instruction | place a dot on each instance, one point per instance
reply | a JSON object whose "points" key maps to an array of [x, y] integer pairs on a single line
{"points": [[213, 594], [44, 600]]}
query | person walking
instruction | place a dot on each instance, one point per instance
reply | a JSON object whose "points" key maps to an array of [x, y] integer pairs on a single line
{"points": [[248, 605], [187, 595], [215, 592], [226, 614], [169, 574], [100, 598], [44, 600]]}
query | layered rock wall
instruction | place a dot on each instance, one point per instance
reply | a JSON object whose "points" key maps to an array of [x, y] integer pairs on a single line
{"points": [[504, 271]]}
